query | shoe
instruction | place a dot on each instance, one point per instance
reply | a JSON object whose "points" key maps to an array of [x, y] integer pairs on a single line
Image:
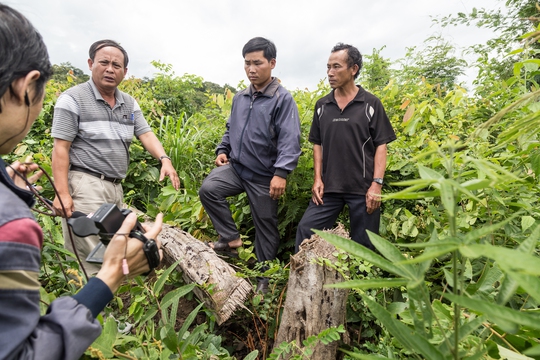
{"points": [[223, 248], [262, 286]]}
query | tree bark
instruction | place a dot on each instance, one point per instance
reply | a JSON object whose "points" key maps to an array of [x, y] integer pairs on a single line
{"points": [[309, 307], [219, 286]]}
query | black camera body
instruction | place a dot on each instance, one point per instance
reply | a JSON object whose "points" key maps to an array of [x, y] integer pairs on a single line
{"points": [[108, 219], [105, 222]]}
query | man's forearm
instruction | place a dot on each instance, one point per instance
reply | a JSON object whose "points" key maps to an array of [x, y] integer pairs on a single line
{"points": [[379, 166], [60, 168], [317, 162], [152, 144]]}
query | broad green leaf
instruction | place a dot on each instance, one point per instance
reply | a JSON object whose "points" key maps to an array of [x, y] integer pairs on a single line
{"points": [[535, 163], [187, 322], [493, 311], [517, 68], [531, 64], [361, 251], [429, 174], [193, 337], [527, 222], [506, 290], [434, 252], [252, 355], [529, 283], [148, 315], [508, 259], [176, 294], [163, 278], [477, 184], [404, 334], [448, 198], [386, 248], [466, 328], [508, 354], [106, 339], [533, 351], [168, 336], [363, 356], [369, 284], [479, 233]]}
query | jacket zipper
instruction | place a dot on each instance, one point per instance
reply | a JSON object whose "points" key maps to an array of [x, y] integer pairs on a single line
{"points": [[244, 128]]}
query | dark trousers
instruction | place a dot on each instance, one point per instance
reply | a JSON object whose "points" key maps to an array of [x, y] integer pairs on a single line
{"points": [[223, 182], [322, 217]]}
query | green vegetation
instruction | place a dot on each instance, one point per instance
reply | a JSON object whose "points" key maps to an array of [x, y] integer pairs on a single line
{"points": [[456, 274]]}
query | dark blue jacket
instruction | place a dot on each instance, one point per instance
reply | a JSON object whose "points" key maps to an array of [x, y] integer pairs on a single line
{"points": [[263, 132]]}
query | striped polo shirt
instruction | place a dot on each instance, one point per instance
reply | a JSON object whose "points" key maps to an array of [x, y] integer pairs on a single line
{"points": [[100, 136]]}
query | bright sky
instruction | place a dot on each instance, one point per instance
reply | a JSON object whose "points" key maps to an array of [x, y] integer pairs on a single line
{"points": [[205, 38]]}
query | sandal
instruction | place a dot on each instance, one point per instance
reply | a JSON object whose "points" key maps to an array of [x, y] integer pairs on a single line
{"points": [[222, 247]]}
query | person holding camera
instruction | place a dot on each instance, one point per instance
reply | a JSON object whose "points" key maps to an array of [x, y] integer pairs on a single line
{"points": [[93, 126], [70, 325]]}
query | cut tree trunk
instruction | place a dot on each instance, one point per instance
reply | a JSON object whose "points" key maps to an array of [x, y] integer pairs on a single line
{"points": [[309, 307], [220, 288]]}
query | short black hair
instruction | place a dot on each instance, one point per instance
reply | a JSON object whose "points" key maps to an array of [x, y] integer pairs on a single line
{"points": [[23, 50], [353, 56], [259, 43], [98, 45]]}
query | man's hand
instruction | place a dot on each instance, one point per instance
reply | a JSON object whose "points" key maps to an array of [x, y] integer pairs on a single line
{"points": [[221, 160], [27, 170], [317, 192], [67, 201], [277, 187], [373, 198], [167, 169]]}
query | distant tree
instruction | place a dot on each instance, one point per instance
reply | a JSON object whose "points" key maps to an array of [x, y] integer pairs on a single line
{"points": [[376, 72], [213, 88], [65, 72], [509, 25], [185, 94], [436, 63]]}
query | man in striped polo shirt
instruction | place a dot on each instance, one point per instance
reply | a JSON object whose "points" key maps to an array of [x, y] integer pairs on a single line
{"points": [[93, 126]]}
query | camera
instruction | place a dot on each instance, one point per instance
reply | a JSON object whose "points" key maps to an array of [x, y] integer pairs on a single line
{"points": [[105, 222]]}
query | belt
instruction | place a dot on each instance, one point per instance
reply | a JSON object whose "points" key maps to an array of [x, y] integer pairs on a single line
{"points": [[93, 173]]}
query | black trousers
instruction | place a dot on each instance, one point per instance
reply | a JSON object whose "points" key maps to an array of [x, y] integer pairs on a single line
{"points": [[322, 217]]}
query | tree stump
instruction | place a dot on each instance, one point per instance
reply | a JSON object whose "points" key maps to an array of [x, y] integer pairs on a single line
{"points": [[309, 307], [220, 288]]}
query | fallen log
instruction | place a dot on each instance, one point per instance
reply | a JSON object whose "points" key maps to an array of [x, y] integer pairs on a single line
{"points": [[310, 307], [220, 288]]}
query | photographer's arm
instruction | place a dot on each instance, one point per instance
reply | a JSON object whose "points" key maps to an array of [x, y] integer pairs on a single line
{"points": [[123, 247], [60, 168]]}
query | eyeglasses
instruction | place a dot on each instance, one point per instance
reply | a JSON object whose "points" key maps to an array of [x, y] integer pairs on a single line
{"points": [[43, 205]]}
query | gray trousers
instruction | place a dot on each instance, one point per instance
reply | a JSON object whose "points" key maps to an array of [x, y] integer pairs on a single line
{"points": [[223, 182]]}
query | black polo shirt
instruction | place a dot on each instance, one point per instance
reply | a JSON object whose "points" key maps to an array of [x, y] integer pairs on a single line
{"points": [[349, 139]]}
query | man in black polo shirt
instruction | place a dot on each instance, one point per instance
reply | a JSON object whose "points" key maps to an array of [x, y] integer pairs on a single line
{"points": [[350, 124]]}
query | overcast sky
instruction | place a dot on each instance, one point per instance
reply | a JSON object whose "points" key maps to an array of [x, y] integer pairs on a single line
{"points": [[205, 38]]}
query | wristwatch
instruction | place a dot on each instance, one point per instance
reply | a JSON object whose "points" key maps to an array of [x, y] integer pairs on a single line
{"points": [[164, 157], [379, 181]]}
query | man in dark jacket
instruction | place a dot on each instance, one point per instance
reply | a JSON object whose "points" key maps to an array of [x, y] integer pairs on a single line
{"points": [[259, 149]]}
